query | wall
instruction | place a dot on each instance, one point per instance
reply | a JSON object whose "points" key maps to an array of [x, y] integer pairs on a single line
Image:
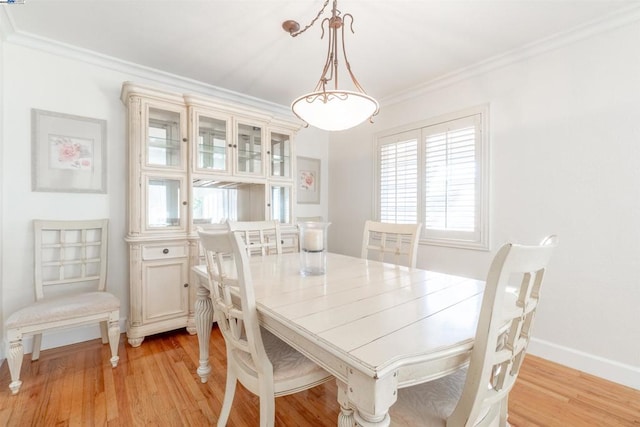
{"points": [[75, 83], [565, 144]]}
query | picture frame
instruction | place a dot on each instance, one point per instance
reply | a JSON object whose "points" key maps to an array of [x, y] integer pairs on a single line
{"points": [[308, 180], [68, 153]]}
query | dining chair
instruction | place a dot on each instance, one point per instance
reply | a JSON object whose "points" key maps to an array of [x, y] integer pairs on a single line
{"points": [[309, 219], [262, 363], [70, 289], [260, 237], [478, 395], [396, 243]]}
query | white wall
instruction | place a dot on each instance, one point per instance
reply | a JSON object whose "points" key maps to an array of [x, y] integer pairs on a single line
{"points": [[90, 87], [565, 145]]}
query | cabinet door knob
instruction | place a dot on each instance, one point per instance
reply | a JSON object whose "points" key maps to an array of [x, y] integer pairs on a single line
{"points": [[186, 285], [184, 203], [165, 251], [230, 145], [184, 139]]}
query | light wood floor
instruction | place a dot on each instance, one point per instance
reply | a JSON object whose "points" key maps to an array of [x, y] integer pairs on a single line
{"points": [[156, 384]]}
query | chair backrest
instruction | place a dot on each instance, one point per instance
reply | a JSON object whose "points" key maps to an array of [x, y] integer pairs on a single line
{"points": [[309, 219], [260, 237], [228, 269], [504, 330], [70, 255], [396, 243]]}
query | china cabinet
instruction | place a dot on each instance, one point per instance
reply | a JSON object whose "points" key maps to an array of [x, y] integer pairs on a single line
{"points": [[193, 161]]}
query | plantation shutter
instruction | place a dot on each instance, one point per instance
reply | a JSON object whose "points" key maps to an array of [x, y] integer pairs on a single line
{"points": [[398, 184], [452, 193]]}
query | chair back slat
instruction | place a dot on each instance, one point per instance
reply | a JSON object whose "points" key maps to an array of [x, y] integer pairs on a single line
{"points": [[70, 253], [503, 332], [396, 243], [260, 237]]}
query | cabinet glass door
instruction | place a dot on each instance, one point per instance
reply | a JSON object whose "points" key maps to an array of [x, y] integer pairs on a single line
{"points": [[163, 202], [164, 142], [212, 144], [281, 203], [249, 150], [280, 150]]}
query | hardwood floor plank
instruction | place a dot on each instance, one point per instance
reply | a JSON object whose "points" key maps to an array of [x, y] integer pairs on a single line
{"points": [[157, 384]]}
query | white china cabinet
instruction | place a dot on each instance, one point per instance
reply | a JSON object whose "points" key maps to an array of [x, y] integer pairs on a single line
{"points": [[194, 161]]}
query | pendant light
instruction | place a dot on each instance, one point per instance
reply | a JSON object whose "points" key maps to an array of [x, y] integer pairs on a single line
{"points": [[328, 107]]}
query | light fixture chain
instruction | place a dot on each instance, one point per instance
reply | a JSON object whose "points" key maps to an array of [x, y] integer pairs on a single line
{"points": [[313, 21]]}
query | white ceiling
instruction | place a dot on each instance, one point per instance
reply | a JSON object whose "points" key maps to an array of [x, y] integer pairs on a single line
{"points": [[240, 45]]}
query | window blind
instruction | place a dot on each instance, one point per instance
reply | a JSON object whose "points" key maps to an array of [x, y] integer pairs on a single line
{"points": [[450, 176], [398, 185], [436, 172]]}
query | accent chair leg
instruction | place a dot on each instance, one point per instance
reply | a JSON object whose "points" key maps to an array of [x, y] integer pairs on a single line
{"points": [[114, 340], [104, 332], [37, 343], [14, 359]]}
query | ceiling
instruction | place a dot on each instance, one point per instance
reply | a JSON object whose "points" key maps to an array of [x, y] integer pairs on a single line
{"points": [[240, 45]]}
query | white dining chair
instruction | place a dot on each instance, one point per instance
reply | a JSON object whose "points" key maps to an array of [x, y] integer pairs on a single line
{"points": [[478, 395], [262, 363], [260, 237], [70, 289], [395, 243], [309, 219]]}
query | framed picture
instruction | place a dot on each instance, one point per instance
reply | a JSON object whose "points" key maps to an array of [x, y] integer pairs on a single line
{"points": [[308, 180], [68, 153]]}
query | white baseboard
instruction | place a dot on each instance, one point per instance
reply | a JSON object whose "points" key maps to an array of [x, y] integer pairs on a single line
{"points": [[610, 370]]}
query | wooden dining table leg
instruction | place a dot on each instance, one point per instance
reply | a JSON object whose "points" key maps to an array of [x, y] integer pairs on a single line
{"points": [[370, 398], [204, 320], [345, 417]]}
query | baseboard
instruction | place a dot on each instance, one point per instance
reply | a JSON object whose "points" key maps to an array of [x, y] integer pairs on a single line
{"points": [[599, 366]]}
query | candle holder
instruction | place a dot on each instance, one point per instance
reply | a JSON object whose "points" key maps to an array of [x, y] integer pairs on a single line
{"points": [[313, 247]]}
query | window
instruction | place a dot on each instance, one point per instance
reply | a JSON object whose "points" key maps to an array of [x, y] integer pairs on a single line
{"points": [[435, 173]]}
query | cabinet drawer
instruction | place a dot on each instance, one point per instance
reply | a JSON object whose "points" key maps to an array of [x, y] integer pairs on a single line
{"points": [[163, 251]]}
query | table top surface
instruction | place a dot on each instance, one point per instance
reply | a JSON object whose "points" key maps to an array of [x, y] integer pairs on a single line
{"points": [[376, 317]]}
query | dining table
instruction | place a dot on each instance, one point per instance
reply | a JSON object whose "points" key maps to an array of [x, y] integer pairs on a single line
{"points": [[375, 326]]}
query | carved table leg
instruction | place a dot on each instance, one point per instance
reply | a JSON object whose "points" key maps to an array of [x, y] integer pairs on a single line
{"points": [[204, 320], [345, 418]]}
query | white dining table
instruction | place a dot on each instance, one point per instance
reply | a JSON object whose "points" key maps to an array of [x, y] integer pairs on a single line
{"points": [[376, 327]]}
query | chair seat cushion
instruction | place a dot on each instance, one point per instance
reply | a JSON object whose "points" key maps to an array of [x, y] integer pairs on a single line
{"points": [[292, 371], [430, 403], [63, 308]]}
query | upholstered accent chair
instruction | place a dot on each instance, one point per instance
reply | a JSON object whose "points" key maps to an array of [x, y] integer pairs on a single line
{"points": [[70, 289]]}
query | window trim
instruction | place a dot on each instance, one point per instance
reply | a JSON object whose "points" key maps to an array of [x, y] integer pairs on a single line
{"points": [[482, 243]]}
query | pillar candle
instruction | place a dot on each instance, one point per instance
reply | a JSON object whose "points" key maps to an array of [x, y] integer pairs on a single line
{"points": [[313, 240]]}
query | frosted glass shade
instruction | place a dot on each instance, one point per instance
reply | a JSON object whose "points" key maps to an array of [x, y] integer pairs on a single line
{"points": [[334, 109]]}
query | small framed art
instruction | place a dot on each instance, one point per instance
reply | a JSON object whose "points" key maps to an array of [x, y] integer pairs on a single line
{"points": [[308, 177], [68, 153]]}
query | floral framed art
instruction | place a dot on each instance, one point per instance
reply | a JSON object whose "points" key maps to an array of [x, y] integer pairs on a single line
{"points": [[68, 153], [308, 185]]}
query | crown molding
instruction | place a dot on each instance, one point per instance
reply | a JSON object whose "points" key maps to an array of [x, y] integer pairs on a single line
{"points": [[174, 82], [9, 33], [620, 18]]}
